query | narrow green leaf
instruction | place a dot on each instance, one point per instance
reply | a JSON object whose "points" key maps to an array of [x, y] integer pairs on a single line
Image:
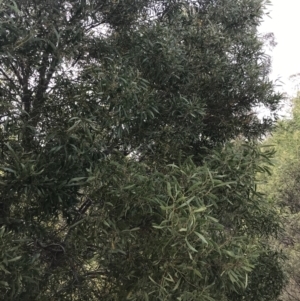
{"points": [[14, 259], [201, 237], [158, 227], [190, 246], [76, 179], [200, 209], [169, 190], [176, 285], [197, 273]]}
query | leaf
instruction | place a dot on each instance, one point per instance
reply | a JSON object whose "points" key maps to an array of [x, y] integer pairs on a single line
{"points": [[152, 280], [7, 169], [176, 285], [4, 283], [201, 209], [187, 202], [195, 186], [227, 184], [4, 269], [198, 273], [158, 227], [14, 7], [230, 253], [129, 187], [74, 126], [169, 190], [106, 224], [233, 277], [57, 34], [246, 280], [77, 179], [169, 278], [77, 223], [2, 231], [201, 237], [190, 246], [35, 257], [131, 230], [210, 176], [173, 165], [212, 218], [247, 268], [14, 259]]}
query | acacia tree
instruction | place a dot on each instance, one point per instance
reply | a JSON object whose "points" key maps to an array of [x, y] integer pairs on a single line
{"points": [[119, 180]]}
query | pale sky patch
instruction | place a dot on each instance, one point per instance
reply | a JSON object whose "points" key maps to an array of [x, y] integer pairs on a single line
{"points": [[284, 22]]}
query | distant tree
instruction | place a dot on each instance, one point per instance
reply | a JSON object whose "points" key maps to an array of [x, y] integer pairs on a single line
{"points": [[120, 178], [283, 188]]}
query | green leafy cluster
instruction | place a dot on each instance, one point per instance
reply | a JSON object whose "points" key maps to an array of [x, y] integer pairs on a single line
{"points": [[121, 175], [283, 189]]}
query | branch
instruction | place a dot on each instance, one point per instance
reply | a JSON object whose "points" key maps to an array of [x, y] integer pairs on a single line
{"points": [[81, 211], [8, 78], [51, 247], [44, 79], [16, 72]]}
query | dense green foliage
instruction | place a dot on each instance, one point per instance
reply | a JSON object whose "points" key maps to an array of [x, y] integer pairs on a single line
{"points": [[121, 176], [283, 188]]}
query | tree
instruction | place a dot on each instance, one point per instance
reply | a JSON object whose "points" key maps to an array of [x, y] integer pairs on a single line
{"points": [[283, 189], [120, 177]]}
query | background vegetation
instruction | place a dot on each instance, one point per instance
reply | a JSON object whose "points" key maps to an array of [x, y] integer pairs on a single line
{"points": [[283, 189]]}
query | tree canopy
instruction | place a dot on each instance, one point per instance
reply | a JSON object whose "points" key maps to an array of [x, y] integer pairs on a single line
{"points": [[283, 189], [121, 173]]}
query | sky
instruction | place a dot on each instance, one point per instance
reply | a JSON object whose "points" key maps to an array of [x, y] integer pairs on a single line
{"points": [[284, 22]]}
